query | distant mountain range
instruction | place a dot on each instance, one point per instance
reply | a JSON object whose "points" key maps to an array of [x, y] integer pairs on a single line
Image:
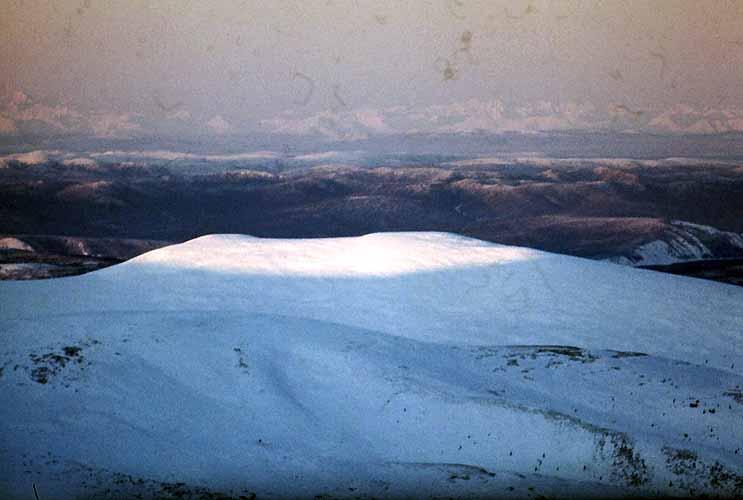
{"points": [[683, 242], [633, 211]]}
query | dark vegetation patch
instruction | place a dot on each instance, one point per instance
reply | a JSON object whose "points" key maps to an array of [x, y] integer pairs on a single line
{"points": [[72, 351], [627, 465], [736, 394], [47, 366], [183, 491], [627, 354], [242, 361], [466, 472], [720, 478], [694, 474], [554, 353], [482, 352], [572, 353], [99, 483], [126, 486]]}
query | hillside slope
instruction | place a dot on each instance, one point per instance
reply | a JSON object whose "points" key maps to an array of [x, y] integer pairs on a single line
{"points": [[684, 241], [424, 364]]}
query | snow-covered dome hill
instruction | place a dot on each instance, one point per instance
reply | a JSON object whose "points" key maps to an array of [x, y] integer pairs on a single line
{"points": [[387, 365]]}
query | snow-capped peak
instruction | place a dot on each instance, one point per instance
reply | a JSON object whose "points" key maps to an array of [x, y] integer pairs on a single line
{"points": [[379, 254]]}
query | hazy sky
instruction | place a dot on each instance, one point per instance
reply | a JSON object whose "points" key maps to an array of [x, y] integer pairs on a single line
{"points": [[301, 66]]}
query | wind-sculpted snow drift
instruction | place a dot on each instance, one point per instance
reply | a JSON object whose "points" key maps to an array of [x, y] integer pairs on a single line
{"points": [[418, 364]]}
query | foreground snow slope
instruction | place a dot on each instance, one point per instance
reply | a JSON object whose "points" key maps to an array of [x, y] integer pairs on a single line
{"points": [[419, 364], [435, 287]]}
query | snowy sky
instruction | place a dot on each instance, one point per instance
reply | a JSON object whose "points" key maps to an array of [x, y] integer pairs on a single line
{"points": [[351, 68]]}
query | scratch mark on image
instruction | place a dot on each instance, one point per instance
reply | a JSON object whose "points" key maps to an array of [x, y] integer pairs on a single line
{"points": [[448, 71], [310, 88], [165, 108], [466, 43], [454, 6], [620, 110], [530, 9], [85, 6], [663, 62], [449, 66], [466, 40], [68, 31], [337, 96]]}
